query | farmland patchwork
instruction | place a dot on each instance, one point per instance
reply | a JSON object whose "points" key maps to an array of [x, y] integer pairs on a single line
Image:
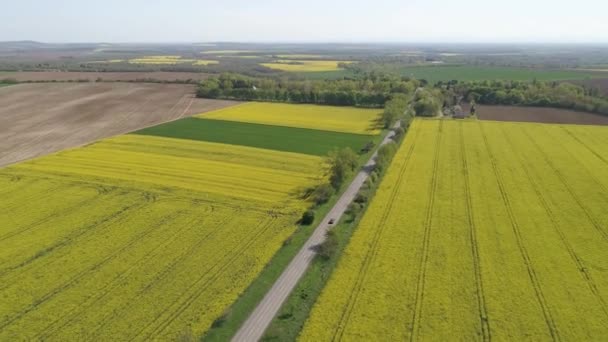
{"points": [[140, 237]]}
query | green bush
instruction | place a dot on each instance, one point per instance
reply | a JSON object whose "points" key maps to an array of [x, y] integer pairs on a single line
{"points": [[329, 247], [323, 193], [308, 218]]}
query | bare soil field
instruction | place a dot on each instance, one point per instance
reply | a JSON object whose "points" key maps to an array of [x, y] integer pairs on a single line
{"points": [[538, 114], [37, 119], [39, 76]]}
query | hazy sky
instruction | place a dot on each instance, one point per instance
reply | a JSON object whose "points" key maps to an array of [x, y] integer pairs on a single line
{"points": [[309, 20]]}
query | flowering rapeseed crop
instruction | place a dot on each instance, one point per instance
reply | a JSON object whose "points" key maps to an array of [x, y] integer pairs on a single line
{"points": [[479, 231], [140, 238]]}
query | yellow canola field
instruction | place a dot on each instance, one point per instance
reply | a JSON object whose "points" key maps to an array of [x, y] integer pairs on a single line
{"points": [[225, 52], [328, 118], [299, 56], [205, 62], [170, 60], [479, 231], [305, 65], [140, 238]]}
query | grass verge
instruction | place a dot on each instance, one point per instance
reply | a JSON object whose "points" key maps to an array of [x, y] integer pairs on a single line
{"points": [[290, 319], [226, 326]]}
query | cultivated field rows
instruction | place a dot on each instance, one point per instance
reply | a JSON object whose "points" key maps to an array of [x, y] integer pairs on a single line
{"points": [[480, 230], [140, 237]]}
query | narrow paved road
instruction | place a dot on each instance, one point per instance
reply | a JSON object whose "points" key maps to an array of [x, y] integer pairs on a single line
{"points": [[254, 327]]}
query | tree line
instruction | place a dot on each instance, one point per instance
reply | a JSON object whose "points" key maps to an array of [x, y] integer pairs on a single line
{"points": [[540, 94], [366, 91]]}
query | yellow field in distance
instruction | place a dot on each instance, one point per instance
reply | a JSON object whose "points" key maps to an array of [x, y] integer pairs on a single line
{"points": [[304, 65], [226, 52], [140, 238], [329, 118], [299, 56], [170, 60], [479, 231], [205, 62]]}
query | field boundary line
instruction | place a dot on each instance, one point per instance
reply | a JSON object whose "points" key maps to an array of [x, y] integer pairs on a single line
{"points": [[579, 263], [483, 310], [522, 249], [568, 187], [419, 299], [371, 252], [187, 107]]}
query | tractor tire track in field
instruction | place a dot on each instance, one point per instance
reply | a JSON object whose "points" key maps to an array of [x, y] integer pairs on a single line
{"points": [[185, 304], [28, 199], [599, 156], [522, 249], [424, 256], [8, 192], [46, 250], [481, 299], [589, 173], [568, 187], [69, 317], [164, 273], [372, 251], [78, 233], [578, 262], [77, 277], [48, 218]]}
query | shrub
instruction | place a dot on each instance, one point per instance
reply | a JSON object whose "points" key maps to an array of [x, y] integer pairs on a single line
{"points": [[329, 247], [323, 193], [308, 218]]}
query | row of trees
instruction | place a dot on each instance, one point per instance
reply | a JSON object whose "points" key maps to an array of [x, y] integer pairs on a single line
{"points": [[368, 91], [540, 94]]}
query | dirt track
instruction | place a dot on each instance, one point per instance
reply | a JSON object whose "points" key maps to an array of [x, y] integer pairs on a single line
{"points": [[538, 114], [37, 119], [38, 76]]}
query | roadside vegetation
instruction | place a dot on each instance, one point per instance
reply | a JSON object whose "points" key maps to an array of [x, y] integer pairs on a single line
{"points": [[290, 319], [340, 165]]}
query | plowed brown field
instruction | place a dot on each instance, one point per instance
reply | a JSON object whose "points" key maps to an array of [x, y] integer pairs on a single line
{"points": [[538, 114], [39, 76], [37, 119]]}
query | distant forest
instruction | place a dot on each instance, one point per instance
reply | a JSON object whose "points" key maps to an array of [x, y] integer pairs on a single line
{"points": [[374, 90]]}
